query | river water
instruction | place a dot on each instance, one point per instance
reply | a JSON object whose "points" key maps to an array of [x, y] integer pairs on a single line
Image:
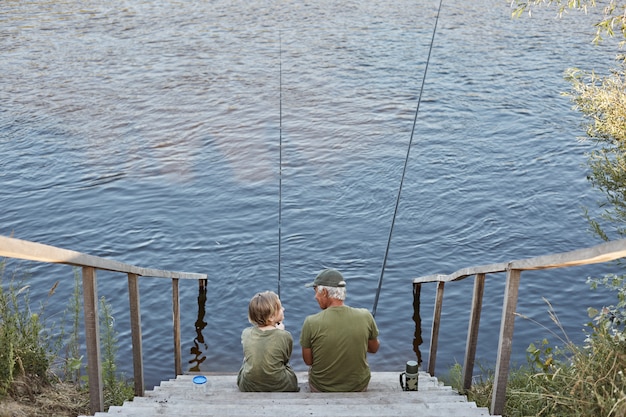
{"points": [[171, 135]]}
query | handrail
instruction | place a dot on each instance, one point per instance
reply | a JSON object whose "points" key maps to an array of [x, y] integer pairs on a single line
{"points": [[605, 252], [23, 249]]}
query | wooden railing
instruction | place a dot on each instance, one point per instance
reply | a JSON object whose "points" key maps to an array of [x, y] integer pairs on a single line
{"points": [[21, 249], [597, 254]]}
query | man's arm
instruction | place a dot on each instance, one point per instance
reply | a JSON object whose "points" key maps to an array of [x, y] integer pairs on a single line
{"points": [[372, 346], [307, 356]]}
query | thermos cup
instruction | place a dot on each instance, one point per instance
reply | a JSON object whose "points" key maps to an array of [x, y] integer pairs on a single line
{"points": [[408, 378]]}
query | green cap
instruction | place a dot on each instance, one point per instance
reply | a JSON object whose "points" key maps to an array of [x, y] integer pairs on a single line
{"points": [[328, 278]]}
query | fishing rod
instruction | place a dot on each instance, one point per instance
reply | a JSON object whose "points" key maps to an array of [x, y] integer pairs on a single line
{"points": [[406, 161], [280, 151]]}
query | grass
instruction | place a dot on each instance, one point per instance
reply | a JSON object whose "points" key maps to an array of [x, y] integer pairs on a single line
{"points": [[58, 399], [575, 381], [24, 343], [40, 367]]}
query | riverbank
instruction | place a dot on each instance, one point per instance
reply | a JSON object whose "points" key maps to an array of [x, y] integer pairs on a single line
{"points": [[31, 398]]}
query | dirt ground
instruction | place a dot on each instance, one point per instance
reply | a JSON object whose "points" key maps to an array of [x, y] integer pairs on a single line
{"points": [[30, 399]]}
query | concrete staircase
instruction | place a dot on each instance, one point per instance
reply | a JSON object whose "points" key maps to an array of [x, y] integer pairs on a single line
{"points": [[220, 397]]}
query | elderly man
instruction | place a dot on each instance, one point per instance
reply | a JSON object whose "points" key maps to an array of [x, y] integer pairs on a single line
{"points": [[335, 341]]}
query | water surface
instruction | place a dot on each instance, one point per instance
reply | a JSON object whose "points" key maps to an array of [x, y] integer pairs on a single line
{"points": [[151, 132]]}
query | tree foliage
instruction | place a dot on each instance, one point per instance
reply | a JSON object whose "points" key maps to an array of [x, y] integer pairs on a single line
{"points": [[612, 22], [602, 101]]}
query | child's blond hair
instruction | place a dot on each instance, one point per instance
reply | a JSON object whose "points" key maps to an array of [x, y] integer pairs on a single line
{"points": [[263, 306]]}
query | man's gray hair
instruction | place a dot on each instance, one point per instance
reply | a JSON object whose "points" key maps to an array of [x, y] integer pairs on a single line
{"points": [[338, 293]]}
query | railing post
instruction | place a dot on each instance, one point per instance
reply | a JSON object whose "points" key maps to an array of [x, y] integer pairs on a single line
{"points": [[434, 336], [135, 331], [472, 331], [92, 339], [199, 344], [505, 342], [178, 363], [417, 318]]}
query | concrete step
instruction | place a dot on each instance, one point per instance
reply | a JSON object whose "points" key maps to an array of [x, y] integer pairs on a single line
{"points": [[300, 410], [221, 397]]}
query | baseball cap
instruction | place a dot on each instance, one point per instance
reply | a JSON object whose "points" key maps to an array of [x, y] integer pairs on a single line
{"points": [[328, 278]]}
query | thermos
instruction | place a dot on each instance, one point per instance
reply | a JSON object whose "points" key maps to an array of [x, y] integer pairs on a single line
{"points": [[408, 378]]}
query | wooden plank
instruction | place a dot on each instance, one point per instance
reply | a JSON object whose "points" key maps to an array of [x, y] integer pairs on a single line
{"points": [[463, 273], [472, 331], [434, 336], [92, 340], [135, 331], [596, 254], [23, 249], [505, 341], [178, 362]]}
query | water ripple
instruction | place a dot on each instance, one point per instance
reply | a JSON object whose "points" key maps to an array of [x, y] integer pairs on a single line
{"points": [[149, 132]]}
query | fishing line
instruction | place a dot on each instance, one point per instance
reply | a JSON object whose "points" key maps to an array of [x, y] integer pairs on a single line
{"points": [[280, 151], [406, 161]]}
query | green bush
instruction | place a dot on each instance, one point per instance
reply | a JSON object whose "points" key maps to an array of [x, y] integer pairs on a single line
{"points": [[25, 345], [580, 381], [30, 348], [7, 360]]}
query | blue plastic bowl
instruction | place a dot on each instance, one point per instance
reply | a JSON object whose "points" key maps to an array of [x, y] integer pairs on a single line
{"points": [[200, 379]]}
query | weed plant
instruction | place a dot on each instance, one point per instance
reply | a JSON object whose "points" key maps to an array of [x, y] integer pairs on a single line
{"points": [[72, 360], [30, 355], [25, 345], [573, 381], [116, 389]]}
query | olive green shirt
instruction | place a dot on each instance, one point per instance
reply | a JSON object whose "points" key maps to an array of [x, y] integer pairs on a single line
{"points": [[265, 365], [338, 337]]}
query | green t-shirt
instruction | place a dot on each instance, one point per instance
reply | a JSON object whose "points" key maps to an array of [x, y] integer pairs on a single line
{"points": [[265, 365], [337, 337]]}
